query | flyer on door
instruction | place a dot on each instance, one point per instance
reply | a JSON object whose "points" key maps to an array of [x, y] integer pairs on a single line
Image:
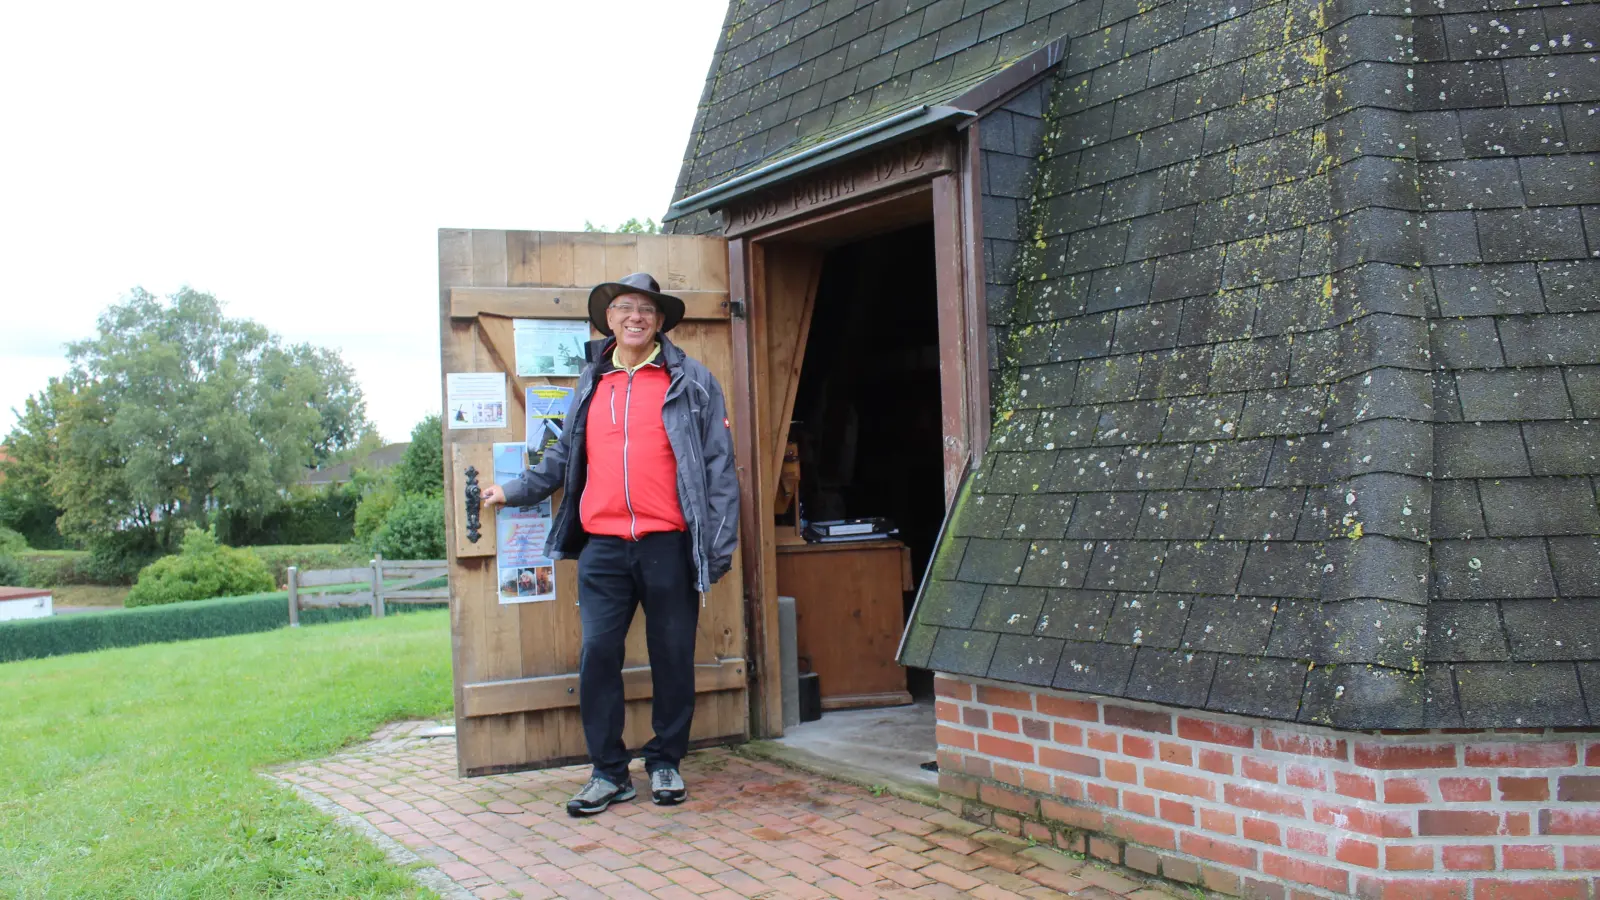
{"points": [[526, 575]]}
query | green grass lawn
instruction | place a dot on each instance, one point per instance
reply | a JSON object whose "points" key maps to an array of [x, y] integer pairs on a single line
{"points": [[132, 773]]}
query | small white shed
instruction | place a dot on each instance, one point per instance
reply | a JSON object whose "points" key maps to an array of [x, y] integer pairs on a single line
{"points": [[24, 603]]}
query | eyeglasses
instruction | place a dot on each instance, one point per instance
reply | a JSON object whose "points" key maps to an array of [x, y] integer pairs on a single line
{"points": [[629, 309]]}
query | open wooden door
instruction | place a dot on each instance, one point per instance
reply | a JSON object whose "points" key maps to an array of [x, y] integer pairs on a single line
{"points": [[516, 664]]}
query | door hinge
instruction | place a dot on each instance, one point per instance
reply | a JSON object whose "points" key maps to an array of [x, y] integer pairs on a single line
{"points": [[736, 308]]}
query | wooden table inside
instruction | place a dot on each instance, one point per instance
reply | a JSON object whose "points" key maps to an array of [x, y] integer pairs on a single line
{"points": [[849, 603]]}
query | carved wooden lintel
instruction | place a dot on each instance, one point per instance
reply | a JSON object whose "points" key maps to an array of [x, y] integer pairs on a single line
{"points": [[912, 160]]}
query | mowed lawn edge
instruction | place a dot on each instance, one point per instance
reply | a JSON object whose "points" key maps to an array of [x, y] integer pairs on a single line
{"points": [[135, 772]]}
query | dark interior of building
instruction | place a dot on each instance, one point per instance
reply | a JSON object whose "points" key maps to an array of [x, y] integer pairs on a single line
{"points": [[867, 412]]}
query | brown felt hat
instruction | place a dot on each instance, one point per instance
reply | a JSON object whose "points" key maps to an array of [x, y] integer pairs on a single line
{"points": [[637, 283]]}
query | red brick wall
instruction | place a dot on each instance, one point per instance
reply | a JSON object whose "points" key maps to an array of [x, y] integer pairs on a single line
{"points": [[1265, 809]]}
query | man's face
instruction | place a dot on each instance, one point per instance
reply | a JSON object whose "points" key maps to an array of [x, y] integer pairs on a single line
{"points": [[634, 319]]}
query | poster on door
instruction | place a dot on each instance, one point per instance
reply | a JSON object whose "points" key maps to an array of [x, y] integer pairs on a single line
{"points": [[526, 575], [549, 347], [547, 413]]}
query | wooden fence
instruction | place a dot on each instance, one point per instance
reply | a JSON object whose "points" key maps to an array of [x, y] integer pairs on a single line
{"points": [[410, 572]]}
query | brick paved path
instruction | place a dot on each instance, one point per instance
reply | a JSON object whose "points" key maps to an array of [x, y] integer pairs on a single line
{"points": [[750, 829]]}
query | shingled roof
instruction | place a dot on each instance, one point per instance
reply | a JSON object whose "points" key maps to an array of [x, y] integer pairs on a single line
{"points": [[1297, 406], [790, 74], [1297, 395]]}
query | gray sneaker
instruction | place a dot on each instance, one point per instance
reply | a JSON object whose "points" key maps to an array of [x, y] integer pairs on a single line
{"points": [[597, 795], [666, 787]]}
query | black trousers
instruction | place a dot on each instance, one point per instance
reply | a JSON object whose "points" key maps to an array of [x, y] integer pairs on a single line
{"points": [[615, 576]]}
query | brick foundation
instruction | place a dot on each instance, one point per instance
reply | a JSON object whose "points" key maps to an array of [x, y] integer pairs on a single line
{"points": [[1264, 809]]}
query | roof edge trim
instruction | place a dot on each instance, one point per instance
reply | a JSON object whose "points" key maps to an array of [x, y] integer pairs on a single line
{"points": [[994, 91], [903, 124]]}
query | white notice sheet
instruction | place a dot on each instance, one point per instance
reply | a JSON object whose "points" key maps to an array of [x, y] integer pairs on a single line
{"points": [[475, 399]]}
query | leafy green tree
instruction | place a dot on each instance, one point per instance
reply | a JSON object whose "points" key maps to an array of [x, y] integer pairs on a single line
{"points": [[26, 504], [176, 410], [632, 226], [335, 394], [421, 467]]}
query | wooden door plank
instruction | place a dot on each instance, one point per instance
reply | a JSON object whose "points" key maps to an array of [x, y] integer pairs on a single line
{"points": [[793, 274], [455, 258], [496, 698], [588, 259], [555, 258], [566, 302], [500, 641], [488, 257], [699, 262], [621, 256], [523, 259], [654, 256]]}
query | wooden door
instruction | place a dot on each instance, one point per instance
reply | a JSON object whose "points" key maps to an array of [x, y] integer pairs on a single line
{"points": [[516, 664]]}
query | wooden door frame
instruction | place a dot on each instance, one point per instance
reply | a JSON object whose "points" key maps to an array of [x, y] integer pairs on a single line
{"points": [[954, 196]]}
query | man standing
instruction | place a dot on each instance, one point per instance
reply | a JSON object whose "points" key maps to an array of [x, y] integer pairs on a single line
{"points": [[651, 511]]}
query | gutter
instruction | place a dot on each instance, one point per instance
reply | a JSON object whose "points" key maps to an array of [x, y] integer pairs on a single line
{"points": [[914, 121]]}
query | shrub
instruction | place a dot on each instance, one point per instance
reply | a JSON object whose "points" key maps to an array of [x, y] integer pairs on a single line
{"points": [[204, 569], [414, 529], [118, 557], [83, 632], [380, 498], [12, 543], [308, 556], [12, 572], [52, 568]]}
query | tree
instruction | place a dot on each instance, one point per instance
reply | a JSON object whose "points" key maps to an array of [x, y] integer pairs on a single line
{"points": [[632, 226], [337, 396], [26, 504], [401, 513], [176, 410], [421, 468]]}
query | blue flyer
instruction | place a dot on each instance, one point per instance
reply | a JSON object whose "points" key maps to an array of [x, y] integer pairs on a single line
{"points": [[526, 575]]}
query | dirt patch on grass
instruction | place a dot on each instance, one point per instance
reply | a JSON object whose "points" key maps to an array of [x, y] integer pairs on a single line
{"points": [[89, 595]]}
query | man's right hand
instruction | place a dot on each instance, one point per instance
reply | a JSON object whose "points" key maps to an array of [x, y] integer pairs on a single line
{"points": [[494, 495]]}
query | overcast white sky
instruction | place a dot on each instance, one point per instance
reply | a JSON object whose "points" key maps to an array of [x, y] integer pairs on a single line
{"points": [[297, 159]]}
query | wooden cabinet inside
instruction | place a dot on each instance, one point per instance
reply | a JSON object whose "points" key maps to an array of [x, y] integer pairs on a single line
{"points": [[849, 602]]}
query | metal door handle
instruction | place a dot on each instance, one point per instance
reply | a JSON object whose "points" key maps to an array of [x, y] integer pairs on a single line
{"points": [[474, 505]]}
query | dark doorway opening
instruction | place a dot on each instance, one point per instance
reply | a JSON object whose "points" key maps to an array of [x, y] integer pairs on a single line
{"points": [[867, 414]]}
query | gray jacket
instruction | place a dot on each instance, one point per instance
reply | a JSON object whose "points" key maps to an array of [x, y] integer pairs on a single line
{"points": [[695, 417]]}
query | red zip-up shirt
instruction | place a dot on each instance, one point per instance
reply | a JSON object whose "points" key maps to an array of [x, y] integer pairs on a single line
{"points": [[631, 488]]}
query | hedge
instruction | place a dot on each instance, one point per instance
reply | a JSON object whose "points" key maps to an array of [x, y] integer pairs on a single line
{"points": [[306, 557], [52, 568], [83, 632]]}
